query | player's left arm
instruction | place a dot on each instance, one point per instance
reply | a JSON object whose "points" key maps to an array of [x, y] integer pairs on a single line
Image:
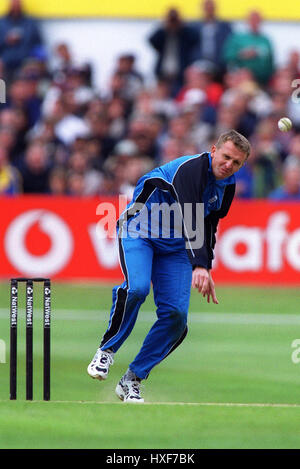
{"points": [[212, 220]]}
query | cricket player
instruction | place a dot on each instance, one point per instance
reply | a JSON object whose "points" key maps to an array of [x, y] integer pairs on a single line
{"points": [[153, 249]]}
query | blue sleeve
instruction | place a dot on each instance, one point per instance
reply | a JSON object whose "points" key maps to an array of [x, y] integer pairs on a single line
{"points": [[189, 183]]}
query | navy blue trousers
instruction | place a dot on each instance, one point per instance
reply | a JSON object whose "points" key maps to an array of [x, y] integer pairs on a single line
{"points": [[142, 261]]}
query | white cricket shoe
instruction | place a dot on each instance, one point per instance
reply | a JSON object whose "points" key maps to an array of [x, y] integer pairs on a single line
{"points": [[129, 390], [99, 366]]}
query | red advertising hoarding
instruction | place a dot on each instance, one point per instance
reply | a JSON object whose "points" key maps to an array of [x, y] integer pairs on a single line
{"points": [[66, 238]]}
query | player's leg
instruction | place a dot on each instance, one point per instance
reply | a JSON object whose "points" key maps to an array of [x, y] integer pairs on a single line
{"points": [[136, 261], [171, 277]]}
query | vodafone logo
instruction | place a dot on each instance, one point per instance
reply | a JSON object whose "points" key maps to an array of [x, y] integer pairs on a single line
{"points": [[267, 247], [60, 249], [260, 244]]}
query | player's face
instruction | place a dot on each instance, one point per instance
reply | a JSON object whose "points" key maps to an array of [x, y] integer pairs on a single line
{"points": [[226, 160]]}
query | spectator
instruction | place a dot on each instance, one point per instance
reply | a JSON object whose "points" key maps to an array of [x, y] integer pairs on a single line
{"points": [[7, 118], [162, 103], [245, 182], [58, 181], [23, 94], [126, 148], [132, 78], [75, 184], [115, 170], [19, 38], [252, 50], [125, 167], [143, 106], [93, 151], [10, 179], [198, 76], [293, 63], [117, 88], [247, 118], [116, 114], [178, 128], [267, 159], [77, 81], [91, 178], [8, 141], [36, 68], [227, 118], [2, 73], [141, 132], [171, 149], [241, 81], [290, 189], [236, 116], [35, 169], [174, 42], [13, 128], [200, 133], [135, 167], [279, 105], [281, 82], [294, 151], [99, 143], [152, 110], [99, 126], [44, 131], [157, 129], [286, 92], [62, 62], [68, 125], [212, 36]]}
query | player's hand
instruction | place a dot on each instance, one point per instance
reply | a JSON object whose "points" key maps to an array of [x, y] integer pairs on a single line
{"points": [[212, 291], [202, 280]]}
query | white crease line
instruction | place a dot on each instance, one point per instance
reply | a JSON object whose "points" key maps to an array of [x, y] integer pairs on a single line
{"points": [[198, 404]]}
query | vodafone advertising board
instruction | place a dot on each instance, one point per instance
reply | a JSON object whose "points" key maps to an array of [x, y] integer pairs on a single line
{"points": [[69, 238]]}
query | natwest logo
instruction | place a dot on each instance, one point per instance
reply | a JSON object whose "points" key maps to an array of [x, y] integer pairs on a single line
{"points": [[251, 248]]}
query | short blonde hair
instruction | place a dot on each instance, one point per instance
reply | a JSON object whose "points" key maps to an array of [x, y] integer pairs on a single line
{"points": [[238, 139]]}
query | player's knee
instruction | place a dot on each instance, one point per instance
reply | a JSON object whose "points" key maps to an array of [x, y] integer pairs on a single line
{"points": [[140, 291], [179, 320]]}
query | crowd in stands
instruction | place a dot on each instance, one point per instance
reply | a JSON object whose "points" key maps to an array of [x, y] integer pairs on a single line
{"points": [[58, 135]]}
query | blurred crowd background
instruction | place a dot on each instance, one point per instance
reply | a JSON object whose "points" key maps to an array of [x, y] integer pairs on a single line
{"points": [[61, 136]]}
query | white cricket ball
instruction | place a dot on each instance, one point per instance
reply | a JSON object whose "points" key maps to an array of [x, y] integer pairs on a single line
{"points": [[285, 124]]}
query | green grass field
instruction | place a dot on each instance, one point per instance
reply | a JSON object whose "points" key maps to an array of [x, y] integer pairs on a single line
{"points": [[231, 384]]}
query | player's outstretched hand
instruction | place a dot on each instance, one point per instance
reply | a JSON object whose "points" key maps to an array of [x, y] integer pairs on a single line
{"points": [[202, 280]]}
